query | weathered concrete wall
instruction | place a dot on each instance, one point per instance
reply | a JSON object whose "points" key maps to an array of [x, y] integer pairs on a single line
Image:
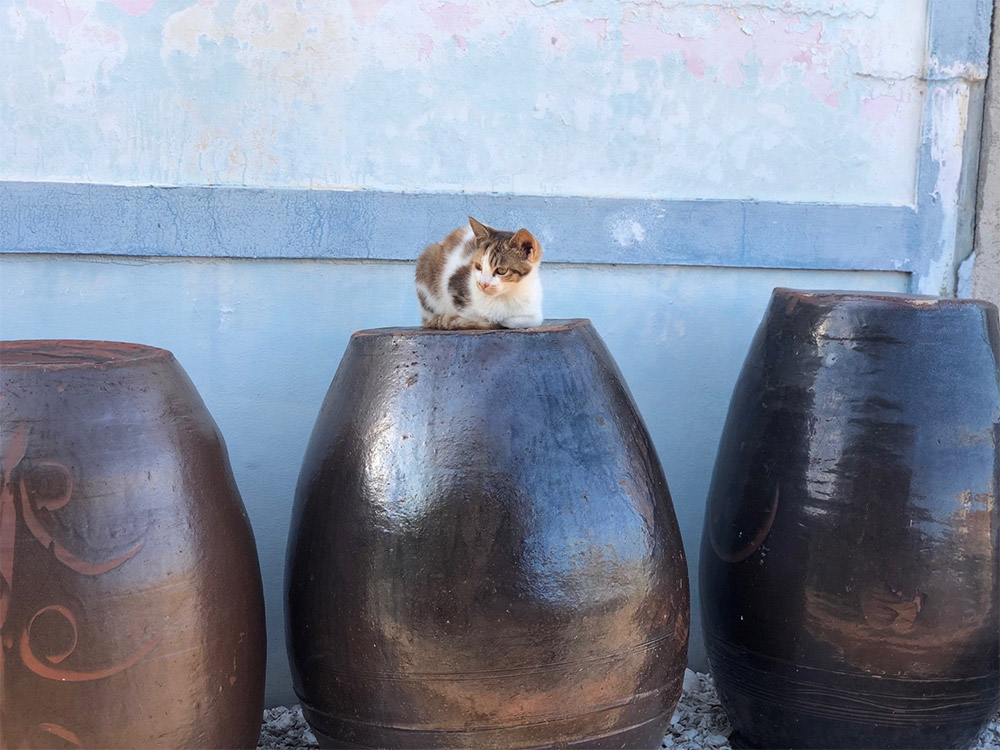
{"points": [[800, 100], [986, 269]]}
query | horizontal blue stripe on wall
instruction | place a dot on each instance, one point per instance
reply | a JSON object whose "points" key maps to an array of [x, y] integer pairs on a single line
{"points": [[40, 217]]}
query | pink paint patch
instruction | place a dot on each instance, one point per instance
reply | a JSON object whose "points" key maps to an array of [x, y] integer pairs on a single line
{"points": [[366, 11], [134, 7], [453, 19], [819, 84], [695, 65], [645, 42], [62, 18], [774, 44], [426, 47], [461, 42], [780, 44], [725, 55], [879, 108]]}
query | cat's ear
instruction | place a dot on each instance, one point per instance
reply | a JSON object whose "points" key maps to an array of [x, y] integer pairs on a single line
{"points": [[524, 241], [481, 231]]}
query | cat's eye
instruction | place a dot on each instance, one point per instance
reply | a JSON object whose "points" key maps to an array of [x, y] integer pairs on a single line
{"points": [[479, 266], [501, 271]]}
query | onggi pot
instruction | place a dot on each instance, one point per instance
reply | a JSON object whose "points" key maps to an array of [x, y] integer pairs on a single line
{"points": [[131, 611], [483, 550], [849, 564]]}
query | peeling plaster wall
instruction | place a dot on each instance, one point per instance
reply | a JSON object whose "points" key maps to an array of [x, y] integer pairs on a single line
{"points": [[958, 53], [985, 273], [792, 100]]}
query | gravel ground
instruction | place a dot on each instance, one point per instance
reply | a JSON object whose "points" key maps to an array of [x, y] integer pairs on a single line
{"points": [[285, 728], [697, 723]]}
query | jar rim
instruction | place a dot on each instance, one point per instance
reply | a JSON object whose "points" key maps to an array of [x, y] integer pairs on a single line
{"points": [[826, 296], [74, 354], [547, 326]]}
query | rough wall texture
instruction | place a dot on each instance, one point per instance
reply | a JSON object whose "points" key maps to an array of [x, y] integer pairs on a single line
{"points": [[802, 100], [986, 273]]}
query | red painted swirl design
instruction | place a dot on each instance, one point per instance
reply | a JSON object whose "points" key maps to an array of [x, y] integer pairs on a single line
{"points": [[14, 496]]}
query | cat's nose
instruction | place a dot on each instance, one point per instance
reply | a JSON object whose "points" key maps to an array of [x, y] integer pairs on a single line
{"points": [[483, 286]]}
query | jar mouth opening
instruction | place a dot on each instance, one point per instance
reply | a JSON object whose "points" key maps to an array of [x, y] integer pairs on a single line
{"points": [[547, 326], [832, 296], [65, 354]]}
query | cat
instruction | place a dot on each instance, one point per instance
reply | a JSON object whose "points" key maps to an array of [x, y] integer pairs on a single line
{"points": [[480, 277]]}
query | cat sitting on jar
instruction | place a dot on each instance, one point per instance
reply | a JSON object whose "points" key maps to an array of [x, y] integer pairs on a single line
{"points": [[480, 277]]}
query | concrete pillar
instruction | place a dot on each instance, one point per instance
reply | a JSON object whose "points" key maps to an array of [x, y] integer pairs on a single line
{"points": [[986, 270]]}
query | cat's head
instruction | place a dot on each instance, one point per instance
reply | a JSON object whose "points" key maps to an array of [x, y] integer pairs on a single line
{"points": [[503, 259]]}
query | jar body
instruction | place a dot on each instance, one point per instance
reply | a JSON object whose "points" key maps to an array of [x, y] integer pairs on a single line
{"points": [[132, 603], [849, 564], [483, 550]]}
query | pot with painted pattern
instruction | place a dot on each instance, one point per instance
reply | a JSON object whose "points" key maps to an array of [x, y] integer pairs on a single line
{"points": [[483, 550], [131, 609], [849, 564]]}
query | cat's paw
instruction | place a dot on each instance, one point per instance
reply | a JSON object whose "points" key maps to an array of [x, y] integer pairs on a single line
{"points": [[523, 321], [454, 323]]}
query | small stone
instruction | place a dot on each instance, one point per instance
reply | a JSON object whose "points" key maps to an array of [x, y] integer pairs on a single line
{"points": [[284, 722], [691, 682]]}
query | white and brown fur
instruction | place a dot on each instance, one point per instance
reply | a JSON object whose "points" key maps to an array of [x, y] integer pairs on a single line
{"points": [[479, 277]]}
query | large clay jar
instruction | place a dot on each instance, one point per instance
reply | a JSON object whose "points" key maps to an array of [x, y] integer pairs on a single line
{"points": [[483, 550], [130, 593], [849, 564]]}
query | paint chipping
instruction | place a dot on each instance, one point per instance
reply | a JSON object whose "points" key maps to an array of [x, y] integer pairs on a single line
{"points": [[670, 99], [628, 232]]}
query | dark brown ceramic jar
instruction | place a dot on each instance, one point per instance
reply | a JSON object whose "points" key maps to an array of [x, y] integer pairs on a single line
{"points": [[483, 550], [849, 564], [130, 593]]}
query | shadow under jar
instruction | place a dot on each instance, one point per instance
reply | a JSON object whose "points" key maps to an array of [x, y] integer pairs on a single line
{"points": [[131, 609], [483, 550], [849, 562]]}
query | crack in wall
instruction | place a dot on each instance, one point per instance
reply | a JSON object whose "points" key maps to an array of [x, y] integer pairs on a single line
{"points": [[783, 7]]}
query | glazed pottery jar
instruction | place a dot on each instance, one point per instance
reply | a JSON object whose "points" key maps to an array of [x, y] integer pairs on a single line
{"points": [[131, 610], [483, 550], [849, 563]]}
